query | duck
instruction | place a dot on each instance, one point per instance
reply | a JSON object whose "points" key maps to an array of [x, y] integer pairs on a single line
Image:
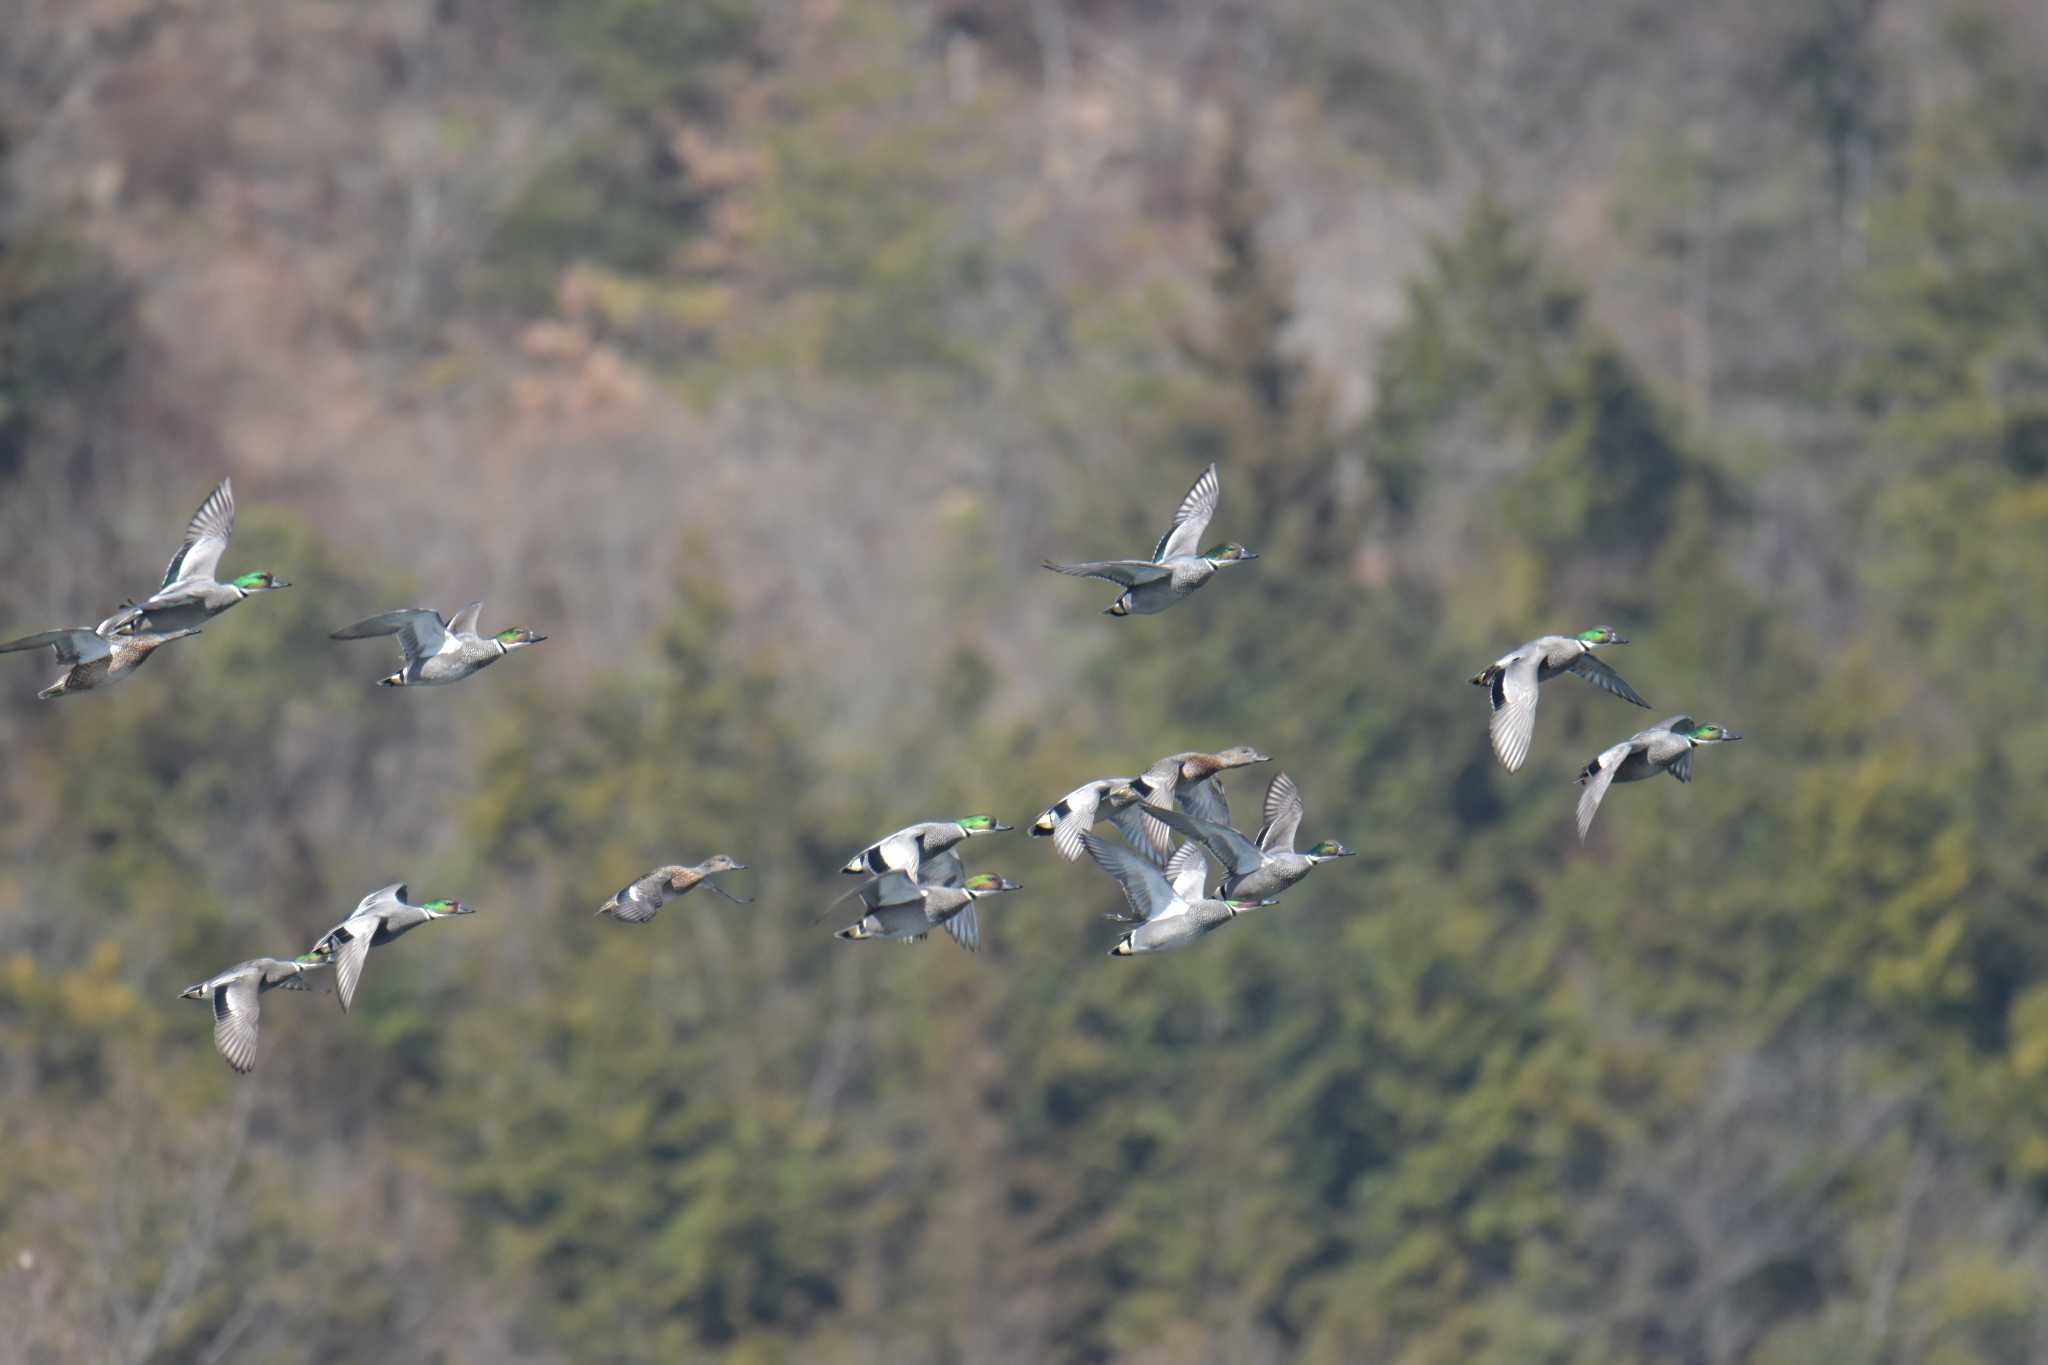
{"points": [[437, 652], [1665, 747], [377, 919], [638, 900], [905, 911], [1073, 815], [236, 994], [1513, 678], [1255, 869], [1167, 905], [913, 845], [190, 595], [1175, 570], [1187, 780], [94, 656]]}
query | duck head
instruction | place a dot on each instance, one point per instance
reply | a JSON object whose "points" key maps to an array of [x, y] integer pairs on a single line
{"points": [[1229, 552], [721, 862], [442, 909], [517, 637], [1598, 636], [987, 884], [1711, 734], [980, 824], [260, 581], [1328, 848], [307, 962], [1240, 756]]}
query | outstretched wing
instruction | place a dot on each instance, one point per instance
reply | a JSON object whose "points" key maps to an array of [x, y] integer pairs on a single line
{"points": [[942, 869], [1187, 872], [1233, 852], [1185, 535], [965, 928], [351, 948], [1603, 677], [73, 645], [206, 538], [1514, 710], [1128, 573], [1681, 767], [235, 1011], [420, 632], [1282, 815], [1204, 800], [1145, 887], [1599, 777], [464, 621]]}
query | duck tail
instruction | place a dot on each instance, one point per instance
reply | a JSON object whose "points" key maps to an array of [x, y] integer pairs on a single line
{"points": [[52, 692], [395, 680], [1484, 677]]}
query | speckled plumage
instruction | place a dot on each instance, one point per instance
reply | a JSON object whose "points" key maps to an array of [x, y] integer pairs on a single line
{"points": [[638, 901], [94, 657]]}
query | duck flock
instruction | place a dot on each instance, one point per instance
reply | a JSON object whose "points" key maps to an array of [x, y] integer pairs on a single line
{"points": [[1172, 818]]}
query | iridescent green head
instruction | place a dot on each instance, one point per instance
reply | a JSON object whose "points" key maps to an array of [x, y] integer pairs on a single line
{"points": [[515, 637], [1229, 552], [440, 908], [310, 960], [1711, 734], [1600, 635], [988, 883], [1329, 848], [260, 581], [981, 824]]}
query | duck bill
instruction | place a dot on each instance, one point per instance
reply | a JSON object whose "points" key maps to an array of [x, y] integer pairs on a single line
{"points": [[1000, 828]]}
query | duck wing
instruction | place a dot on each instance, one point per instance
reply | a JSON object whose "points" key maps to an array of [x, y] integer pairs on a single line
{"points": [[1514, 710], [1232, 851], [236, 1007], [1184, 537], [420, 632], [74, 644], [1187, 873], [943, 868], [1127, 573], [350, 944], [206, 540], [965, 928], [1205, 800], [1604, 678], [464, 621], [1283, 811], [1598, 777], [1145, 886]]}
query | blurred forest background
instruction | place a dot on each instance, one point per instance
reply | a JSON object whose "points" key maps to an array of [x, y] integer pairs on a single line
{"points": [[756, 351]]}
